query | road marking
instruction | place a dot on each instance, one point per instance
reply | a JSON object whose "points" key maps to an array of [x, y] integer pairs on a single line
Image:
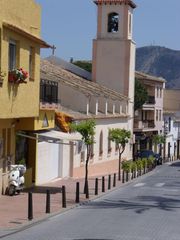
{"points": [[159, 184], [139, 184]]}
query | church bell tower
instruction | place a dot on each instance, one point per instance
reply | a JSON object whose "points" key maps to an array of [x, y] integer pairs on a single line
{"points": [[113, 48]]}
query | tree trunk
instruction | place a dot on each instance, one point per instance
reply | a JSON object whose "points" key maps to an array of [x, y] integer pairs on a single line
{"points": [[119, 167], [86, 187]]}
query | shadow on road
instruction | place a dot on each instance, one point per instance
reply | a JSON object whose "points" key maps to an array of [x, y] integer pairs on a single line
{"points": [[139, 204], [176, 164], [92, 239]]}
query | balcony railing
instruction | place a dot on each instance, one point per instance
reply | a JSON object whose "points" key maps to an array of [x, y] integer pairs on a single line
{"points": [[49, 104], [150, 100], [144, 124]]}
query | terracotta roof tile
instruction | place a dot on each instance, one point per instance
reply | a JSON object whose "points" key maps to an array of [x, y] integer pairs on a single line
{"points": [[53, 72]]}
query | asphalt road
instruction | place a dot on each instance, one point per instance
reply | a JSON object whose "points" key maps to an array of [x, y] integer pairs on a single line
{"points": [[147, 209]]}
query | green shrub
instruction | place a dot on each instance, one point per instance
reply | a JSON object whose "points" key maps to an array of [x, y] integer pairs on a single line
{"points": [[126, 166], [133, 166], [150, 161], [139, 164], [144, 162]]}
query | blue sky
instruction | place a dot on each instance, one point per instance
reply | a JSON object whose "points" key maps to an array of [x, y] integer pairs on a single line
{"points": [[71, 25]]}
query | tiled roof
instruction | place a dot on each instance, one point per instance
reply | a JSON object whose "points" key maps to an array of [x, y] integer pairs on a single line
{"points": [[144, 76], [53, 72], [127, 2]]}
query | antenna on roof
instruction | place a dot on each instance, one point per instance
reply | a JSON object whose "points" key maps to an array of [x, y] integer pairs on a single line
{"points": [[71, 60], [53, 50]]}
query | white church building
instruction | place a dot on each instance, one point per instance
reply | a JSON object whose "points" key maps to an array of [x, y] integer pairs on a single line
{"points": [[108, 97]]}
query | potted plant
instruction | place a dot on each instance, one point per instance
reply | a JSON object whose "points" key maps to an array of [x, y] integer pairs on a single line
{"points": [[134, 169], [139, 166], [18, 76], [150, 162], [144, 164], [126, 166]]}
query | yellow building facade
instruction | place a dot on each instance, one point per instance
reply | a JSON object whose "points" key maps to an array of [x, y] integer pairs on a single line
{"points": [[20, 43]]}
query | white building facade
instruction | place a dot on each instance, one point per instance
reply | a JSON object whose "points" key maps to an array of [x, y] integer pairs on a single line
{"points": [[108, 98], [172, 124]]}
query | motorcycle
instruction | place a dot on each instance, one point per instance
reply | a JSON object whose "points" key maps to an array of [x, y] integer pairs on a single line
{"points": [[16, 179]]}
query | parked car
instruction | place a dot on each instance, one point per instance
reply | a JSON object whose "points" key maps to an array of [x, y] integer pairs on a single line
{"points": [[148, 153]]}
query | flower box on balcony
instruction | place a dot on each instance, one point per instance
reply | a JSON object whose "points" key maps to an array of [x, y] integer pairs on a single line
{"points": [[17, 76]]}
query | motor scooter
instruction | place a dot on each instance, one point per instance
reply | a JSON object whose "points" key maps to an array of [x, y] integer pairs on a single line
{"points": [[16, 179]]}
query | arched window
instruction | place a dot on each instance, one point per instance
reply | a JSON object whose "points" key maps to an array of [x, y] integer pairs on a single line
{"points": [[92, 149], [169, 124], [113, 22], [109, 143], [101, 144], [116, 146]]}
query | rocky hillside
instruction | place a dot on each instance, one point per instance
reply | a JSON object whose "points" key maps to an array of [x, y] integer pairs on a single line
{"points": [[160, 62]]}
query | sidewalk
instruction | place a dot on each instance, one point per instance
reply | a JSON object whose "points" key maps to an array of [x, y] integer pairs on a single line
{"points": [[14, 210]]}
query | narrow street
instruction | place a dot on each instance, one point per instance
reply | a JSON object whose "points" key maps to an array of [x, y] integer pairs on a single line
{"points": [[146, 209]]}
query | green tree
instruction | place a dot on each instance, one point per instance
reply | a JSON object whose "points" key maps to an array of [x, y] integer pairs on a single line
{"points": [[87, 130], [121, 138], [84, 65], [141, 95], [158, 139]]}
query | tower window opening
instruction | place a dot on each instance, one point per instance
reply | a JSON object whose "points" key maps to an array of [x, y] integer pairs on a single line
{"points": [[113, 22]]}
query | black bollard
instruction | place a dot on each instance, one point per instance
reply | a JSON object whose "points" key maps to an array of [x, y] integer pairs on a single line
{"points": [[123, 177], [109, 182], [96, 186], [127, 178], [30, 206], [63, 196], [47, 201], [103, 184], [114, 180], [77, 192]]}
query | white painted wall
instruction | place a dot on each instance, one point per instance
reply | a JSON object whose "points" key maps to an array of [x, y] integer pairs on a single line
{"points": [[172, 135], [47, 165], [65, 160], [72, 98], [104, 125]]}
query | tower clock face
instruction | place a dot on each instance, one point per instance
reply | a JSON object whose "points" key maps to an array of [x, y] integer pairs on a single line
{"points": [[113, 22]]}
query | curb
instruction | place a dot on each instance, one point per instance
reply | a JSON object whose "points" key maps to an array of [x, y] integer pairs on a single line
{"points": [[29, 224]]}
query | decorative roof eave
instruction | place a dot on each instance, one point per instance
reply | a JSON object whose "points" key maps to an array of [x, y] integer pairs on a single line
{"points": [[26, 34], [126, 2], [168, 112], [79, 116], [144, 76]]}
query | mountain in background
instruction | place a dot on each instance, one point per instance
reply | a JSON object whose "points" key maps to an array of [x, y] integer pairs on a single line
{"points": [[160, 62], [153, 60]]}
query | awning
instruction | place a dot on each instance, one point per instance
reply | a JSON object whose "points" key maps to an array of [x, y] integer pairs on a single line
{"points": [[26, 34], [57, 135], [53, 137]]}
